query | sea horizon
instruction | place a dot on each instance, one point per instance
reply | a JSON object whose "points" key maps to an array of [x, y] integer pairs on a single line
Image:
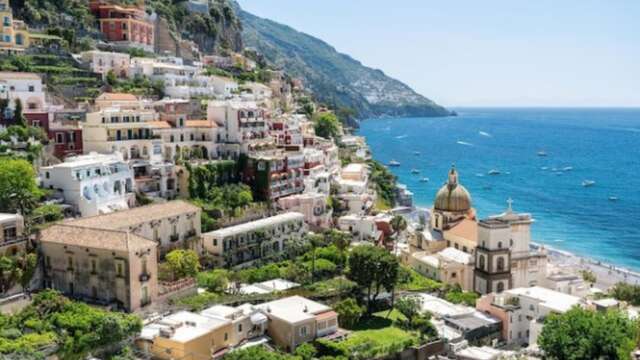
{"points": [[580, 145]]}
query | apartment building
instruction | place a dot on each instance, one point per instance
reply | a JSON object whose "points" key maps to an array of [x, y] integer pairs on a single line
{"points": [[240, 122], [24, 86], [170, 225], [14, 36], [295, 320], [126, 130], [186, 335], [274, 174], [242, 245], [450, 266], [522, 311], [247, 321], [103, 266], [92, 184], [317, 213], [103, 62], [124, 26], [12, 237]]}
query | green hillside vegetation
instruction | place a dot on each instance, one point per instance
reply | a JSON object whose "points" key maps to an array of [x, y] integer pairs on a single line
{"points": [[336, 79]]}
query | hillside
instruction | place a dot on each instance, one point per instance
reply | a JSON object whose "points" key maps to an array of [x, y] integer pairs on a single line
{"points": [[335, 78], [216, 28]]}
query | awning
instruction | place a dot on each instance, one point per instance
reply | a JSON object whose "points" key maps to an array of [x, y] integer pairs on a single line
{"points": [[258, 318]]}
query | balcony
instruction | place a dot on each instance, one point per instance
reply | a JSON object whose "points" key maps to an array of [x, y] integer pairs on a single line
{"points": [[144, 277], [190, 233], [174, 237]]}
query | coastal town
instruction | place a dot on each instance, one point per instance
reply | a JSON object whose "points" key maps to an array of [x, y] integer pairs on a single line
{"points": [[203, 205]]}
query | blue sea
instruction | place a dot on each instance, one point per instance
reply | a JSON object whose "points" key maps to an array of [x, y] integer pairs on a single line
{"points": [[601, 145]]}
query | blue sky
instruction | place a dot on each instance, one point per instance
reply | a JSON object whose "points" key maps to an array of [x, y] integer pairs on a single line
{"points": [[484, 53]]}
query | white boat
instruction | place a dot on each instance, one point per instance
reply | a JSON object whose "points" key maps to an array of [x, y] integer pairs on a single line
{"points": [[567, 168], [544, 168], [479, 175], [613, 198], [416, 153], [588, 183], [493, 172], [424, 179], [542, 153], [394, 163], [415, 171]]}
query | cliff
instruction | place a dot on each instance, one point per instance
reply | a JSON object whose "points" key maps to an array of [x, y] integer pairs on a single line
{"points": [[335, 78]]}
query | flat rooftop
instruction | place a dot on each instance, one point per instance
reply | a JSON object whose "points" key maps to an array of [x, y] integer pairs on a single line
{"points": [[294, 309], [552, 299], [258, 224]]}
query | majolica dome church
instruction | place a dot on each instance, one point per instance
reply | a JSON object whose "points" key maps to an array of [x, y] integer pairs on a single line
{"points": [[453, 216]]}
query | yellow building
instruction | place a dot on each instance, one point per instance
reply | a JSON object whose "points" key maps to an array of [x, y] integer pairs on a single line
{"points": [[186, 335], [15, 35]]}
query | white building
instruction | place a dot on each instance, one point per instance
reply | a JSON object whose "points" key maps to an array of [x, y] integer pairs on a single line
{"points": [[522, 310], [314, 207], [241, 245], [248, 321], [362, 227], [24, 86], [102, 62], [239, 122], [93, 184]]}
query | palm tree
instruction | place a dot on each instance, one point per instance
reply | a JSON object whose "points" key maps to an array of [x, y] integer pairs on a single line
{"points": [[398, 224], [315, 240]]}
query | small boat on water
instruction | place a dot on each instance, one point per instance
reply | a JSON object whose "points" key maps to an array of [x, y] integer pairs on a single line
{"points": [[415, 171], [588, 183], [544, 168], [494, 172], [416, 153], [394, 163], [613, 198], [479, 175], [542, 153], [424, 179], [567, 168]]}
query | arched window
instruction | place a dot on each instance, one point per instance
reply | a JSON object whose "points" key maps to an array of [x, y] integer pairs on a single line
{"points": [[500, 287], [500, 264]]}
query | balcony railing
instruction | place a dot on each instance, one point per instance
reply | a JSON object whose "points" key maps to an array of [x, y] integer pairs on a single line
{"points": [[174, 237], [190, 233]]}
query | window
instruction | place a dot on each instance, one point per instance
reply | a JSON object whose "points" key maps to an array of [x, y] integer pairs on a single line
{"points": [[226, 336], [500, 287], [32, 88], [93, 266], [70, 263], [215, 242], [303, 331], [156, 235], [481, 263], [47, 175], [119, 270], [59, 138], [144, 266], [239, 328], [499, 244], [500, 264]]}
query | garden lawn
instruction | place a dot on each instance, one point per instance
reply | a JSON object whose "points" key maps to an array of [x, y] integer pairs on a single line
{"points": [[379, 331]]}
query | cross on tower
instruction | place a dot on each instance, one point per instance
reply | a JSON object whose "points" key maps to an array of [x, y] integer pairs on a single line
{"points": [[509, 203]]}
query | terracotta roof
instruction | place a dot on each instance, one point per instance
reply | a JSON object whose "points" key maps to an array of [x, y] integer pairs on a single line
{"points": [[94, 238], [117, 97], [326, 315], [10, 75], [159, 124], [466, 229], [122, 220], [200, 123]]}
